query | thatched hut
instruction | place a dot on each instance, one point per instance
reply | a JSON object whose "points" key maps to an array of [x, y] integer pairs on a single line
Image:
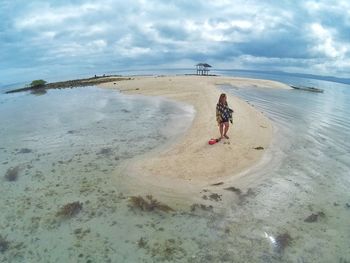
{"points": [[203, 69]]}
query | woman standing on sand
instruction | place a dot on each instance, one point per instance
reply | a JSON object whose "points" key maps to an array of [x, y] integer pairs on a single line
{"points": [[223, 116]]}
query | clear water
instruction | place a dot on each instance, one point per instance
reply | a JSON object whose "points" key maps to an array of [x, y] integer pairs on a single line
{"points": [[308, 172], [67, 144]]}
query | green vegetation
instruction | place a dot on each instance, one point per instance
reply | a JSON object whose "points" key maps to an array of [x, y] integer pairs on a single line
{"points": [[39, 83]]}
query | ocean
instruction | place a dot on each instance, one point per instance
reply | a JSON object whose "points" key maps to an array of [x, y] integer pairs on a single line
{"points": [[62, 147]]}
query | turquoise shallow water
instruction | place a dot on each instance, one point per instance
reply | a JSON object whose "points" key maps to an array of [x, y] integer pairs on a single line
{"points": [[293, 207]]}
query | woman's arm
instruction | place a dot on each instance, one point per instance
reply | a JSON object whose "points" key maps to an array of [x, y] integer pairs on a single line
{"points": [[218, 114]]}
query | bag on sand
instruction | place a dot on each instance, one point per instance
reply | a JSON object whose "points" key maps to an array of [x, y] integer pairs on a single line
{"points": [[213, 141]]}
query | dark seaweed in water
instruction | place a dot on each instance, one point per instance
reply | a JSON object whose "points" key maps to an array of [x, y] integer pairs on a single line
{"points": [[233, 189], [70, 209], [25, 150], [12, 174], [142, 243], [259, 148], [168, 251], [215, 197], [202, 207], [105, 151], [4, 244], [282, 241], [314, 217], [148, 204], [216, 184], [243, 197]]}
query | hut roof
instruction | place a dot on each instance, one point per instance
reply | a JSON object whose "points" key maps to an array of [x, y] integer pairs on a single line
{"points": [[204, 65]]}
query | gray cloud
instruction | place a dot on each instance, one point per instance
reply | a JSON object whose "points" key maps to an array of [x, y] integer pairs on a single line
{"points": [[91, 36]]}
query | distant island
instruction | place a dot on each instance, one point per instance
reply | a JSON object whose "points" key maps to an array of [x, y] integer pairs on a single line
{"points": [[298, 75], [40, 85]]}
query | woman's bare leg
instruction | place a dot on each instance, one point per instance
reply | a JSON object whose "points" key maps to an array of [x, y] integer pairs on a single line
{"points": [[227, 125], [221, 128]]}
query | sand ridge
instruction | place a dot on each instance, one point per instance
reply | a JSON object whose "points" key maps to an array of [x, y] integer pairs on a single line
{"points": [[192, 161]]}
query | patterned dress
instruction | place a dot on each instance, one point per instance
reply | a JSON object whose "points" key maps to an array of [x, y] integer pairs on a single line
{"points": [[223, 113]]}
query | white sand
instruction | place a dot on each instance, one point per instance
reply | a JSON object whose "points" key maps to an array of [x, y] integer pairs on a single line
{"points": [[191, 163]]}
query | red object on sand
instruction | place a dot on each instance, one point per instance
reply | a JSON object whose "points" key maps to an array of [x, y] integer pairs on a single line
{"points": [[212, 141]]}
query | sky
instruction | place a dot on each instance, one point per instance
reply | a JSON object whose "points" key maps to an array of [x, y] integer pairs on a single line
{"points": [[59, 38]]}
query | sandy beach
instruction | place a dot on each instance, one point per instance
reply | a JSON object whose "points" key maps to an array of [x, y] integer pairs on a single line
{"points": [[191, 163]]}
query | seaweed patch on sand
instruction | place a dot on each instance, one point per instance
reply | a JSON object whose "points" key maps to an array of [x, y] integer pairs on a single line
{"points": [[169, 250], [12, 174], [4, 244], [69, 210], [148, 204], [282, 241]]}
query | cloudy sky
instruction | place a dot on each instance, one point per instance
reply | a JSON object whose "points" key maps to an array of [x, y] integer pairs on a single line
{"points": [[42, 39]]}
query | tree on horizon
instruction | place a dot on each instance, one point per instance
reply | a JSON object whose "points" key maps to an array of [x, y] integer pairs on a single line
{"points": [[39, 83]]}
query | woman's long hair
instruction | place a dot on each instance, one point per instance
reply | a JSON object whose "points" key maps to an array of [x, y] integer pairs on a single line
{"points": [[222, 99]]}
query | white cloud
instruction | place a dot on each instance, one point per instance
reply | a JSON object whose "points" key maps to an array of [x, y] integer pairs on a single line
{"points": [[45, 36], [133, 52], [49, 16], [68, 50], [95, 29], [125, 48], [325, 42], [75, 49], [98, 44]]}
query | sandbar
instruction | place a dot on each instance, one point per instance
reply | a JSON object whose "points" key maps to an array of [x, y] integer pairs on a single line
{"points": [[191, 163]]}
